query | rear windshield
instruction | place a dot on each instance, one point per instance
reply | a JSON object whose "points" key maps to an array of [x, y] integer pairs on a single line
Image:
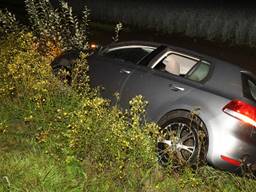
{"points": [[249, 86]]}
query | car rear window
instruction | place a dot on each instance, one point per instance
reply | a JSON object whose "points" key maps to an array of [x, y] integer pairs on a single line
{"points": [[200, 72], [252, 88], [249, 86]]}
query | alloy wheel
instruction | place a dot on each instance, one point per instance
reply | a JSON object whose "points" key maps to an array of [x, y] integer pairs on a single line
{"points": [[177, 139]]}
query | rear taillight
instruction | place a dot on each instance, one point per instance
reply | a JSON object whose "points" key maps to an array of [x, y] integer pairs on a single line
{"points": [[242, 111], [230, 160]]}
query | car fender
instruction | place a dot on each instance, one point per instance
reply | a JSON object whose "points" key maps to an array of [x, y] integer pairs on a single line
{"points": [[208, 108]]}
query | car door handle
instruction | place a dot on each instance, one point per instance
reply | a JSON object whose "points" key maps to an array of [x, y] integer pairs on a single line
{"points": [[125, 71], [176, 88]]}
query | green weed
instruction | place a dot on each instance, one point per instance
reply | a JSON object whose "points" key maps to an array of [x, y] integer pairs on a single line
{"points": [[56, 137]]}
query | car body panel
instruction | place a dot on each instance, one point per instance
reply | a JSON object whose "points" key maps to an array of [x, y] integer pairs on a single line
{"points": [[156, 89], [111, 74]]}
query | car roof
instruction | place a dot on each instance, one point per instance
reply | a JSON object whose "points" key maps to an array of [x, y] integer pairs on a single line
{"points": [[211, 59]]}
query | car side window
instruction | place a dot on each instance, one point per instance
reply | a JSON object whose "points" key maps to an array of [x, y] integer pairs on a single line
{"points": [[132, 54], [199, 72], [180, 65], [176, 64]]}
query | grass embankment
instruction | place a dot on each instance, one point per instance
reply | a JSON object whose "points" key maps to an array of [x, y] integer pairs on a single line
{"points": [[57, 138]]}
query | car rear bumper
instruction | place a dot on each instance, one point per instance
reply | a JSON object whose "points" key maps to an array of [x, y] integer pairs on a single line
{"points": [[239, 157], [233, 146]]}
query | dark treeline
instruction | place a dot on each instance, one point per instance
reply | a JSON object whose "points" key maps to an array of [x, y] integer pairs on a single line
{"points": [[17, 6], [219, 20]]}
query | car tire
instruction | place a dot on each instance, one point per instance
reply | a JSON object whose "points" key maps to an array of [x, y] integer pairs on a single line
{"points": [[183, 140]]}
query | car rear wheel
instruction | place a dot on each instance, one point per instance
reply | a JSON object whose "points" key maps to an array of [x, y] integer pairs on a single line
{"points": [[183, 140], [62, 66], [63, 73]]}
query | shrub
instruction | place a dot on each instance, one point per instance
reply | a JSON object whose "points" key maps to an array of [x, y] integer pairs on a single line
{"points": [[57, 27], [8, 23], [75, 125], [23, 73], [54, 136], [113, 141]]}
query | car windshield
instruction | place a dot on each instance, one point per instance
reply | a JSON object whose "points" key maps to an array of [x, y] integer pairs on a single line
{"points": [[131, 53]]}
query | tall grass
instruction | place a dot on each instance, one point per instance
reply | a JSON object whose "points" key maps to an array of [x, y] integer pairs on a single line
{"points": [[59, 27], [232, 26], [56, 137]]}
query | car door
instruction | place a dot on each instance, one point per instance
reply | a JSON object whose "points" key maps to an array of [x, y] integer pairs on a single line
{"points": [[108, 74], [110, 69], [160, 88]]}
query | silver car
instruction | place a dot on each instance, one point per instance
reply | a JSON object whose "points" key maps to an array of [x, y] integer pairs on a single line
{"points": [[204, 106]]}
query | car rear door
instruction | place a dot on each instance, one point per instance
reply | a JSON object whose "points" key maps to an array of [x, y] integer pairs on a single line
{"points": [[159, 88]]}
